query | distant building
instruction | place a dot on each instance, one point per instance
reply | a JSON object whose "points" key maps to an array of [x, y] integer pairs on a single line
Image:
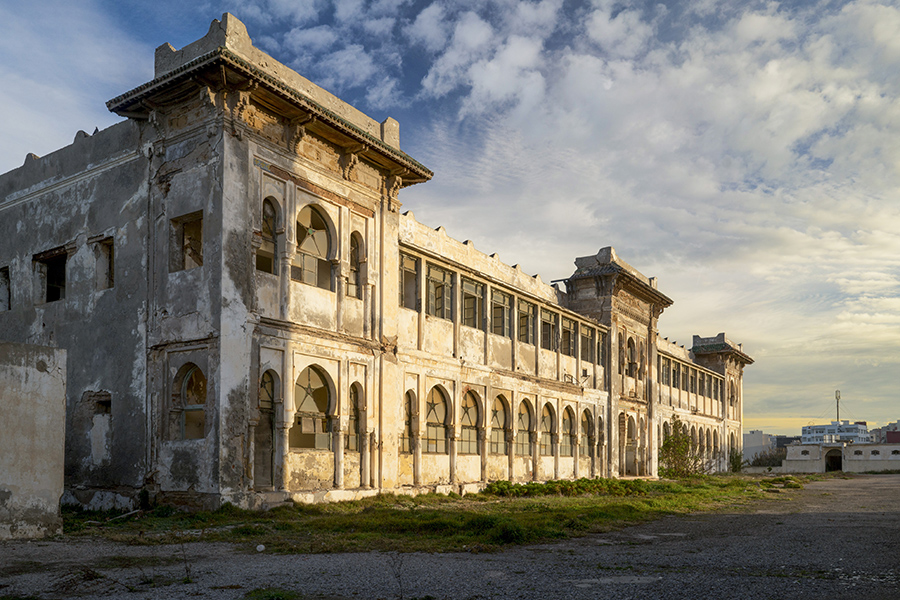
{"points": [[757, 442], [837, 431], [783, 441], [890, 433]]}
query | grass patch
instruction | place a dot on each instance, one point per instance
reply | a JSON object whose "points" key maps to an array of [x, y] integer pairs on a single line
{"points": [[504, 514]]}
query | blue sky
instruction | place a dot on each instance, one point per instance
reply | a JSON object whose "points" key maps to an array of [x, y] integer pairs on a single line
{"points": [[746, 153]]}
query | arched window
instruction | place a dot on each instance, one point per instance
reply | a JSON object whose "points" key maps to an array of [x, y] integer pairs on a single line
{"points": [[312, 398], [406, 438], [354, 287], [587, 433], [468, 442], [694, 444], [264, 432], [351, 439], [267, 390], [547, 431], [268, 250], [313, 249], [524, 444], [666, 431], [499, 425], [568, 431], [191, 400], [632, 359], [436, 422]]}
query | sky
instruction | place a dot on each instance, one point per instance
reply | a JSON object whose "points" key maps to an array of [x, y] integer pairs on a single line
{"points": [[745, 153]]}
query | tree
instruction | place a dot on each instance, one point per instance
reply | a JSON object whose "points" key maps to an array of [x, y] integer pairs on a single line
{"points": [[677, 456]]}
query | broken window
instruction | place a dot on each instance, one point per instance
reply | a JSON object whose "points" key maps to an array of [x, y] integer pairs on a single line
{"points": [[501, 313], [105, 261], [569, 439], [406, 438], [189, 403], [468, 441], [266, 255], [587, 344], [440, 292], [526, 322], [436, 422], [472, 303], [499, 424], [567, 337], [312, 265], [409, 282], [186, 242], [354, 285], [351, 440], [312, 425], [50, 269], [524, 441], [5, 290], [548, 330], [547, 431]]}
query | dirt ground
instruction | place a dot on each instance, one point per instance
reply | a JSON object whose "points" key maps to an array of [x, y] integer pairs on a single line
{"points": [[837, 538]]}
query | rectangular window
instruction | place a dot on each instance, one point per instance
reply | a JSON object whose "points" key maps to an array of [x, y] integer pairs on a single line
{"points": [[526, 322], [501, 312], [186, 242], [5, 290], [665, 371], [409, 282], [105, 263], [440, 292], [567, 337], [473, 303], [50, 271], [548, 330], [601, 344], [702, 385], [693, 381], [684, 378], [587, 344]]}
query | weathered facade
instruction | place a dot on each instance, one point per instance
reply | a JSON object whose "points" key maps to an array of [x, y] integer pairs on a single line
{"points": [[238, 291]]}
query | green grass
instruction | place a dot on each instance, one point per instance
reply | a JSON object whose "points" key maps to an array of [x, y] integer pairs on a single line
{"points": [[504, 514]]}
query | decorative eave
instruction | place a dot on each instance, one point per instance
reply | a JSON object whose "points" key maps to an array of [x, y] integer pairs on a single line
{"points": [[631, 282], [723, 348], [220, 61]]}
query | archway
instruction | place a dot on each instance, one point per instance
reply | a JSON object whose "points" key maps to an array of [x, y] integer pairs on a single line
{"points": [[834, 460]]}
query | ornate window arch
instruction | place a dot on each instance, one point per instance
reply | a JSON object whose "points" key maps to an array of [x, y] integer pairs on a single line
{"points": [[267, 253], [499, 426], [569, 436], [351, 439], [587, 432], [524, 425], [632, 358], [357, 257], [437, 416], [469, 419], [313, 264], [408, 435], [314, 409], [548, 427], [189, 404]]}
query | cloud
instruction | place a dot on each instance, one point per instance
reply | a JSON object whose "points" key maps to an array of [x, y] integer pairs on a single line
{"points": [[472, 38], [349, 67], [429, 29], [302, 40]]}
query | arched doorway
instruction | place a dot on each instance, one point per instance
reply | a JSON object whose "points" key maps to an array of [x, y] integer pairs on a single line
{"points": [[834, 460]]}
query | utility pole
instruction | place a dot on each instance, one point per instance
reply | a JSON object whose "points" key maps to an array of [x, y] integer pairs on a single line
{"points": [[837, 400]]}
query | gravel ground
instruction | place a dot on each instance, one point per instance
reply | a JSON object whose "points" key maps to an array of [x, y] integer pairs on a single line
{"points": [[833, 539]]}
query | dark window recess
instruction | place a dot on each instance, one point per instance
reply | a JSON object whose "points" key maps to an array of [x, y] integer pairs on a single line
{"points": [[473, 303], [354, 287], [266, 254], [106, 264], [548, 330], [186, 242], [50, 268], [440, 293], [409, 282], [313, 249], [567, 337], [526, 322], [587, 345], [501, 311], [5, 289]]}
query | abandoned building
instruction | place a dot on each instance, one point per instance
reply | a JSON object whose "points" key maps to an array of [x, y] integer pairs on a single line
{"points": [[249, 317]]}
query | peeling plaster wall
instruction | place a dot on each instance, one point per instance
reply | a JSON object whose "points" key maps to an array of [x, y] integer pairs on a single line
{"points": [[32, 406]]}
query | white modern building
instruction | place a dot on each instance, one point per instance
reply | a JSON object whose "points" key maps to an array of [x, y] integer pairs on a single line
{"points": [[837, 431]]}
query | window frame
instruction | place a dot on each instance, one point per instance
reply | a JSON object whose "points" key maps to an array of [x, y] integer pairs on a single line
{"points": [[472, 303], [504, 302], [527, 313], [439, 288]]}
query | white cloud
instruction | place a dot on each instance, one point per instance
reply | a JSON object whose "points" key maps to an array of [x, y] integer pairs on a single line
{"points": [[472, 39], [429, 28], [624, 35], [348, 67], [302, 40]]}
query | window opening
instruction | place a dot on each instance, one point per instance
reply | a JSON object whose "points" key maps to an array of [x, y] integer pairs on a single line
{"points": [[526, 322], [354, 287], [499, 423], [407, 436], [601, 343], [501, 313], [632, 358], [468, 443], [409, 282], [524, 441], [436, 422], [51, 269], [567, 337], [5, 290], [548, 330], [313, 250], [105, 264], [587, 433], [693, 381], [351, 439], [546, 431], [267, 252], [186, 247], [267, 391], [440, 292], [312, 399], [684, 378], [473, 303], [193, 399], [567, 448], [587, 344]]}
